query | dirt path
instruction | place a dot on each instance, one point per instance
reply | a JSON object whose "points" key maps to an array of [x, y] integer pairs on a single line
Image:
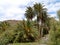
{"points": [[44, 40]]}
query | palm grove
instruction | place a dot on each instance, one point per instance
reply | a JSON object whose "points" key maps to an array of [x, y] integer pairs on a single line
{"points": [[41, 13], [27, 30]]}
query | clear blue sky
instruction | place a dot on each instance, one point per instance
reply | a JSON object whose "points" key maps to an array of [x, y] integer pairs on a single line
{"points": [[15, 9]]}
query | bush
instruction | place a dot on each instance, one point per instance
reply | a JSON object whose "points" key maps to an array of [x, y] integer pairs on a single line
{"points": [[6, 37], [54, 38], [26, 32]]}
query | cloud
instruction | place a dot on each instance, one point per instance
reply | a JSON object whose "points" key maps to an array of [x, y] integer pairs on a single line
{"points": [[9, 9], [15, 9]]}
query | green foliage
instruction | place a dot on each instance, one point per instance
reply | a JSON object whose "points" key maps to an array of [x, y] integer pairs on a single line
{"points": [[6, 37], [26, 32], [4, 26], [54, 38], [29, 13], [38, 8]]}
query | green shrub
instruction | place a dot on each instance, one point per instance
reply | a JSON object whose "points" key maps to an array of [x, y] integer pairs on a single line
{"points": [[26, 32], [5, 37], [54, 38]]}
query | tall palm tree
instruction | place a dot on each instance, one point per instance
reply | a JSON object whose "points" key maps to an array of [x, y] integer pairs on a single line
{"points": [[41, 16], [39, 11], [29, 13], [45, 22]]}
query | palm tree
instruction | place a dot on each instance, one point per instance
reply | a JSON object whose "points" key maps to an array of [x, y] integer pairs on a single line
{"points": [[41, 16], [29, 13], [45, 22], [24, 31], [40, 12]]}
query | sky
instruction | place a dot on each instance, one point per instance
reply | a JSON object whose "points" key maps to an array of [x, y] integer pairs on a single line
{"points": [[15, 9]]}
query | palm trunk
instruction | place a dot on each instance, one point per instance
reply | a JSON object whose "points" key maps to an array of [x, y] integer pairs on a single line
{"points": [[38, 25], [42, 26]]}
